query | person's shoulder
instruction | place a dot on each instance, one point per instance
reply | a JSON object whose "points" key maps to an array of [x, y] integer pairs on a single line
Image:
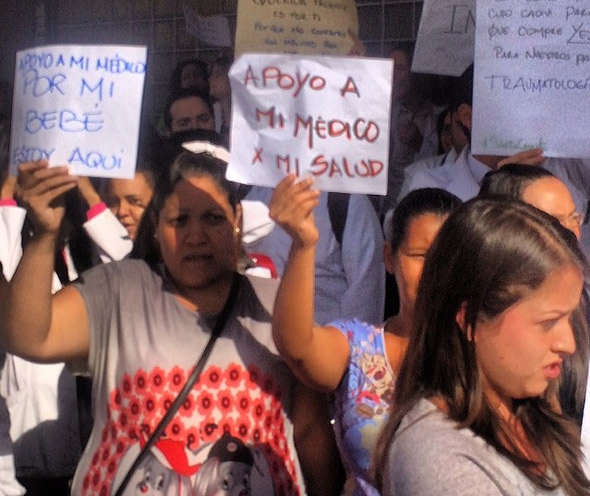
{"points": [[354, 328], [130, 266], [425, 421], [431, 454], [262, 289], [131, 271], [436, 177], [425, 164]]}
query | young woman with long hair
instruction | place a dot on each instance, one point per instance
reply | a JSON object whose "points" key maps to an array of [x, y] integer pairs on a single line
{"points": [[475, 403]]}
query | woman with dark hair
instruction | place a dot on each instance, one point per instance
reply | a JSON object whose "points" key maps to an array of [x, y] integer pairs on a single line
{"points": [[138, 329], [475, 409], [356, 361], [538, 187], [541, 189]]}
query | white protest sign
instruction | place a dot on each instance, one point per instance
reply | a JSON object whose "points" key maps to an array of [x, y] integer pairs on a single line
{"points": [[446, 37], [318, 27], [320, 116], [532, 79], [78, 104], [213, 29]]}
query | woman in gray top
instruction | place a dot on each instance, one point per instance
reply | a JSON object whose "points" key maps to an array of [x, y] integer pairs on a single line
{"points": [[476, 397]]}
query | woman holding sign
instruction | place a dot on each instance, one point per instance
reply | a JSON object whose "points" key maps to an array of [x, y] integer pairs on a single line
{"points": [[358, 362], [139, 329]]}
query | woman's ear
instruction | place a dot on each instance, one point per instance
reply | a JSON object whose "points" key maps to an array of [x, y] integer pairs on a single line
{"points": [[464, 114], [388, 258], [461, 321], [153, 218], [238, 221]]}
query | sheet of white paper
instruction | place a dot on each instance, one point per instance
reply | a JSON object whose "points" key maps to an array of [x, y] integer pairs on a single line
{"points": [[318, 27], [311, 115], [446, 37], [532, 80], [79, 104], [213, 29]]}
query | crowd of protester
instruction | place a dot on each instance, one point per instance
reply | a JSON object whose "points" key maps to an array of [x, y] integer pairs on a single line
{"points": [[177, 333]]}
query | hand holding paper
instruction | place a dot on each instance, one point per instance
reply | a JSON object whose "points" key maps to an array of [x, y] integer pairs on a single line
{"points": [[533, 156], [292, 207], [41, 189]]}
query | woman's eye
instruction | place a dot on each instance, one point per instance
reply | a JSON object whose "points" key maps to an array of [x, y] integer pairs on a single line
{"points": [[549, 324], [180, 221], [214, 219]]}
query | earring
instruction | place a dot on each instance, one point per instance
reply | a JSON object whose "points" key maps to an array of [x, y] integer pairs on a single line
{"points": [[469, 335], [236, 231]]}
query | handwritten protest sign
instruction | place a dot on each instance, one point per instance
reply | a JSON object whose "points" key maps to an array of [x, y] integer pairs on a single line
{"points": [[80, 105], [212, 29], [313, 27], [446, 37], [532, 80], [327, 117]]}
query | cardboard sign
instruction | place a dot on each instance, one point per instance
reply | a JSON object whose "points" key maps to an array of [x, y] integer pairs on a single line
{"points": [[213, 29], [532, 79], [313, 27], [80, 105], [327, 117], [446, 37]]}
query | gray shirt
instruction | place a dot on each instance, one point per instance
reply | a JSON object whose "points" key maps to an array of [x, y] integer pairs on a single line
{"points": [[144, 344], [431, 456]]}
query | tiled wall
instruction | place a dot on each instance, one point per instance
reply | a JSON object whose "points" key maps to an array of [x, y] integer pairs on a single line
{"points": [[160, 25]]}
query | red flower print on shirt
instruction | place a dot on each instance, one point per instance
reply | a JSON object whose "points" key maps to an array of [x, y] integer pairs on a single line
{"points": [[243, 426], [193, 438], [258, 409], [176, 429], [233, 375], [150, 403], [212, 377], [240, 401], [157, 379], [205, 402], [188, 407], [227, 424], [269, 385], [209, 430], [255, 375], [243, 401], [126, 385], [165, 402], [225, 400], [140, 381], [134, 409], [176, 379]]}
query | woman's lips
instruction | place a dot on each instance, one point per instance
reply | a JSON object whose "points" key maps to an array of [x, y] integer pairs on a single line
{"points": [[552, 370]]}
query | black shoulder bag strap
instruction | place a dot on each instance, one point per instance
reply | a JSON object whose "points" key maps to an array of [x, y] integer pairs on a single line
{"points": [[190, 382]]}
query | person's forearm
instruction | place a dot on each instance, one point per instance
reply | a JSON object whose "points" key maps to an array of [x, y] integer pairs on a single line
{"points": [[294, 308], [26, 301]]}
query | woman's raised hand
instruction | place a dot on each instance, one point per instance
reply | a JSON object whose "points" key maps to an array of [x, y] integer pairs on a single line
{"points": [[292, 207], [41, 189]]}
